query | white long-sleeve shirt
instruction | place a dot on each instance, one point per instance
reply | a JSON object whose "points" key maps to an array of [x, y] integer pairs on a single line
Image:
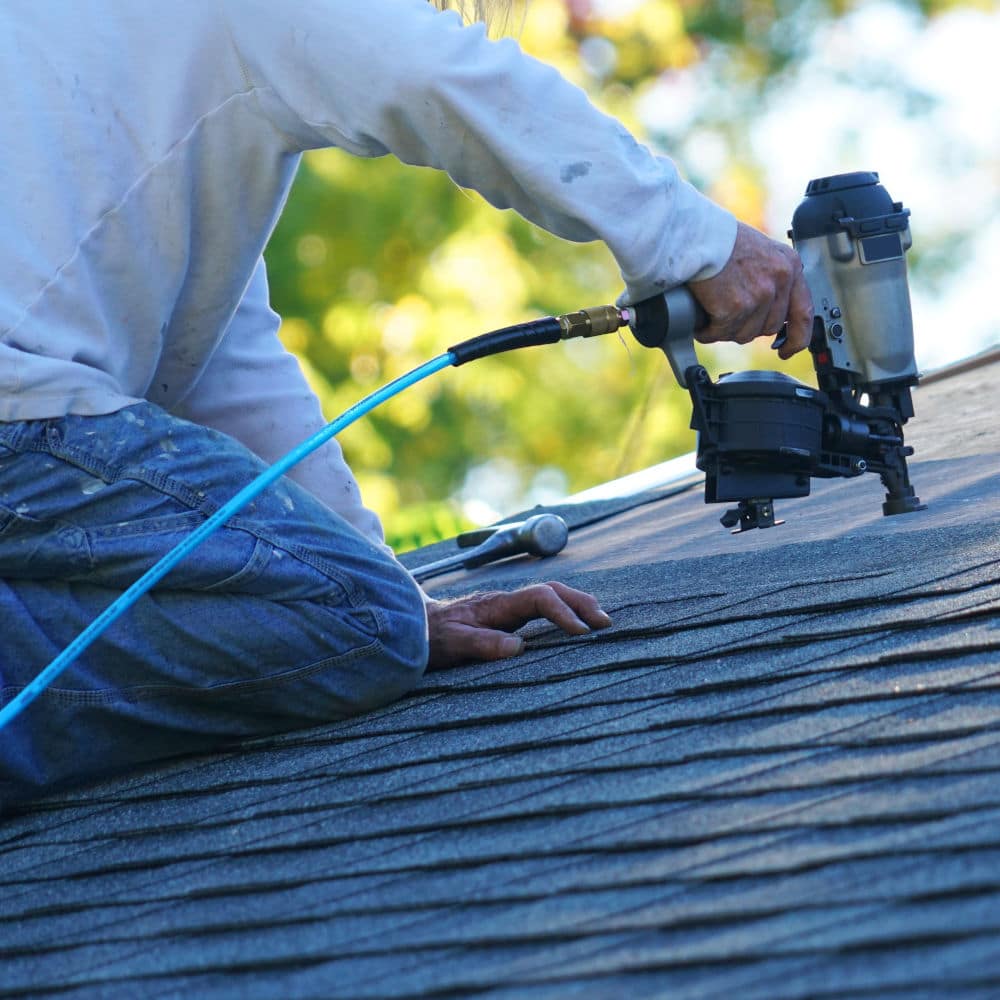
{"points": [[148, 150]]}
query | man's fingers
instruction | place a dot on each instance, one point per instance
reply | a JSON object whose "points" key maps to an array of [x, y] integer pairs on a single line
{"points": [[757, 323], [467, 642], [572, 610], [800, 318], [750, 313], [585, 605], [540, 601], [479, 627], [456, 642], [778, 313], [740, 328]]}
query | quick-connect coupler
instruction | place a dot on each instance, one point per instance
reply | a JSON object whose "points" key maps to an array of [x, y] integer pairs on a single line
{"points": [[591, 322]]}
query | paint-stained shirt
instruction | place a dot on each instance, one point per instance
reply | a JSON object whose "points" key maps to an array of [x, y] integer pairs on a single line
{"points": [[148, 150]]}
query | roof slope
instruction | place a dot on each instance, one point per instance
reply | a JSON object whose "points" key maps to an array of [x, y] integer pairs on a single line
{"points": [[775, 776]]}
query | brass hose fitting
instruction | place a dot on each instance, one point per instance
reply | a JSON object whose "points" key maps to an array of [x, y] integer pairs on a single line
{"points": [[591, 322]]}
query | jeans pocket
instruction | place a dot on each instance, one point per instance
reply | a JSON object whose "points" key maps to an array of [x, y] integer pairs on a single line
{"points": [[251, 571], [225, 561], [32, 549]]}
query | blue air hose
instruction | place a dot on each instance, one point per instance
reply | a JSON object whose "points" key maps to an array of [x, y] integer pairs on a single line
{"points": [[550, 330], [249, 492]]}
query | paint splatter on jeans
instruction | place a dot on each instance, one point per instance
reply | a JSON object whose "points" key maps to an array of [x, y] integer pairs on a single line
{"points": [[285, 617]]}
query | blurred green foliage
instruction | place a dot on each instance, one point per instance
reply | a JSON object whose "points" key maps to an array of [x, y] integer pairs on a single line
{"points": [[376, 267]]}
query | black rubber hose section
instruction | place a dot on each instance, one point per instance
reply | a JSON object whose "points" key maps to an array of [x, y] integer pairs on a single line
{"points": [[533, 334]]}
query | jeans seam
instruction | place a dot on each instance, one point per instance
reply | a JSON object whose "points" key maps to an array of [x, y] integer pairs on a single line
{"points": [[86, 462], [150, 693], [159, 481]]}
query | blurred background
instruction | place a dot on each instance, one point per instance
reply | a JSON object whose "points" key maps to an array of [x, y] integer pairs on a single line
{"points": [[377, 267]]}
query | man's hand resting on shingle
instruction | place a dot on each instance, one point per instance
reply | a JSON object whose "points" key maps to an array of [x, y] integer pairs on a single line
{"points": [[479, 627]]}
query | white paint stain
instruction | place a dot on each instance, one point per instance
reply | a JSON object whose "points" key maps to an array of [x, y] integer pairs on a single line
{"points": [[92, 485]]}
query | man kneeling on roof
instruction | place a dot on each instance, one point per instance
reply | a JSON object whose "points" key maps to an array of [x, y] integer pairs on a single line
{"points": [[143, 381]]}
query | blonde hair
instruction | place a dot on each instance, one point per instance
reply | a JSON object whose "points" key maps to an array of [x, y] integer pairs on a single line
{"points": [[491, 12]]}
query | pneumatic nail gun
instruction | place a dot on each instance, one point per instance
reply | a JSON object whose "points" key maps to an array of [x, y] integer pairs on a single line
{"points": [[763, 435]]}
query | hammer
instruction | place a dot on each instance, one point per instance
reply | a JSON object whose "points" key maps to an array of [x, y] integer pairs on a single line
{"points": [[539, 535]]}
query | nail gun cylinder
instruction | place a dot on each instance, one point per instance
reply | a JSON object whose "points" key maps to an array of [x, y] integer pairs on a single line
{"points": [[852, 238]]}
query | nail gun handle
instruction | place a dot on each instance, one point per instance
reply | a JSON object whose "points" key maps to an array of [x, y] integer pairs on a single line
{"points": [[669, 322]]}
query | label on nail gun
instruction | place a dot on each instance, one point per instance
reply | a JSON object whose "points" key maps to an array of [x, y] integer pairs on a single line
{"points": [[888, 246]]}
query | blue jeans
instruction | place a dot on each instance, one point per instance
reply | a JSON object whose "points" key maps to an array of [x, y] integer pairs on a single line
{"points": [[285, 617]]}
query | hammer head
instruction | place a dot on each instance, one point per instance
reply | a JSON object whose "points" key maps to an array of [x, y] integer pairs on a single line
{"points": [[539, 535], [547, 523], [542, 534]]}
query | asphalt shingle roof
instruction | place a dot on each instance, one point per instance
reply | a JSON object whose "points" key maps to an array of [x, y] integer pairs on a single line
{"points": [[775, 776]]}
